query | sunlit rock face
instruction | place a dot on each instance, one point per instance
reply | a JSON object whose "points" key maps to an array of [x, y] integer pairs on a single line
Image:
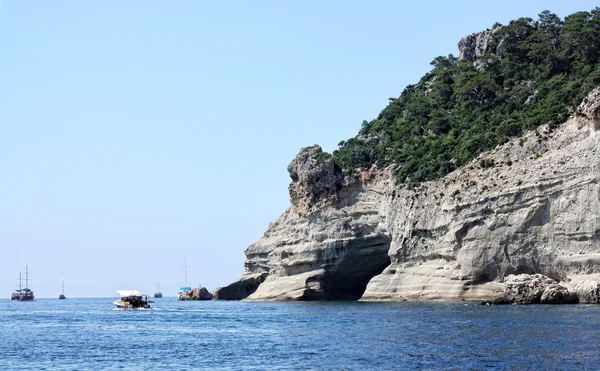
{"points": [[536, 210], [330, 253], [315, 180], [529, 206], [474, 46], [588, 111], [330, 242]]}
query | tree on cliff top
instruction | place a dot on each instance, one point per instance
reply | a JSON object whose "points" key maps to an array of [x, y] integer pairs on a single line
{"points": [[531, 73]]}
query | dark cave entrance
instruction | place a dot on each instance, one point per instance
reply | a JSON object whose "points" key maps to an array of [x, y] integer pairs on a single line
{"points": [[353, 273]]}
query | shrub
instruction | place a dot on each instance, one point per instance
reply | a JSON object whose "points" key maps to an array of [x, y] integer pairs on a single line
{"points": [[532, 73]]}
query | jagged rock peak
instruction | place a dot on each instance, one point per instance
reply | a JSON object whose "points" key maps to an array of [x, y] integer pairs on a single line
{"points": [[315, 180], [474, 46]]}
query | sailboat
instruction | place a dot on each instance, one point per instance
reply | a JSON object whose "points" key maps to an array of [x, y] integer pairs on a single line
{"points": [[23, 293], [158, 294], [62, 296], [185, 287]]}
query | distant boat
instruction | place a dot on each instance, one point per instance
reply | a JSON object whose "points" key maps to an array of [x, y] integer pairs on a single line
{"points": [[62, 296], [132, 299], [158, 294], [23, 293], [185, 287]]}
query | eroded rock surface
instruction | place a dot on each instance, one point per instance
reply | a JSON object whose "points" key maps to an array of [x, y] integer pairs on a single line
{"points": [[330, 254], [589, 110], [530, 206], [534, 289], [558, 294], [472, 47], [315, 180], [588, 292], [529, 288], [242, 288]]}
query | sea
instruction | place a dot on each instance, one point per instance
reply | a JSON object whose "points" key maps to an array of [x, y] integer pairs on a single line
{"points": [[90, 334]]}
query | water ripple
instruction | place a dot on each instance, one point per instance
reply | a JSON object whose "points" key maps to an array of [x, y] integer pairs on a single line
{"points": [[77, 334]]}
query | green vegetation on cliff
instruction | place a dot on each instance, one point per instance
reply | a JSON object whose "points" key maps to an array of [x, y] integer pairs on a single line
{"points": [[530, 73]]}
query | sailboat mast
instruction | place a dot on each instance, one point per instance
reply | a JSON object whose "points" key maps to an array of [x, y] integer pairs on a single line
{"points": [[20, 280], [185, 272], [26, 277], [63, 287]]}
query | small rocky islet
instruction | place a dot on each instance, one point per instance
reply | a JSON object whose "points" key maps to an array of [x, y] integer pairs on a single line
{"points": [[197, 293], [499, 200]]}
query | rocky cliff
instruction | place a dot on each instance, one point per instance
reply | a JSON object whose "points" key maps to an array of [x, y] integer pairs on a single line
{"points": [[529, 206]]}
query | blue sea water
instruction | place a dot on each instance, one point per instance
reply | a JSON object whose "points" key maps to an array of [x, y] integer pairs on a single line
{"points": [[78, 334]]}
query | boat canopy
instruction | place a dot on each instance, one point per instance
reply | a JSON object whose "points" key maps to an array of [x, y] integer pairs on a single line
{"points": [[124, 293], [185, 288]]}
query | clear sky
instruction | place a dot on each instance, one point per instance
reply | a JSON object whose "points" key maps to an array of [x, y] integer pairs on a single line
{"points": [[135, 134]]}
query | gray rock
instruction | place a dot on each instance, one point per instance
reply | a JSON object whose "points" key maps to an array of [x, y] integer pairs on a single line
{"points": [[526, 288], [315, 180], [589, 110], [242, 288], [185, 295], [474, 46], [558, 294], [588, 292], [197, 293], [535, 209], [201, 293]]}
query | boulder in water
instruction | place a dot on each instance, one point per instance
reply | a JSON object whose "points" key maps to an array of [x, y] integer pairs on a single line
{"points": [[558, 294], [198, 293]]}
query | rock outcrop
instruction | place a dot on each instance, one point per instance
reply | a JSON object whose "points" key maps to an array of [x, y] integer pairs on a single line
{"points": [[588, 292], [536, 289], [526, 288], [197, 293], [558, 294], [242, 288], [474, 46], [589, 110], [328, 244], [315, 181], [529, 206]]}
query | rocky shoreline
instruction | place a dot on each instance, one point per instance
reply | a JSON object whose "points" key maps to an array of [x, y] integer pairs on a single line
{"points": [[539, 289]]}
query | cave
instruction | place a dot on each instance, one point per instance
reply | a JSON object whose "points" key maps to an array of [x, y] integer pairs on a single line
{"points": [[349, 278]]}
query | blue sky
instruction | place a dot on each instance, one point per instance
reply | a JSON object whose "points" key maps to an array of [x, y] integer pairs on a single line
{"points": [[136, 134]]}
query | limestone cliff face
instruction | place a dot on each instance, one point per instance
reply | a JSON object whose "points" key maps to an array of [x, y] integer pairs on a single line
{"points": [[529, 206], [328, 244], [472, 47]]}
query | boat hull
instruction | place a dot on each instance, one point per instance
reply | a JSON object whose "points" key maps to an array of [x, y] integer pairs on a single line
{"points": [[125, 304], [22, 296], [122, 305]]}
